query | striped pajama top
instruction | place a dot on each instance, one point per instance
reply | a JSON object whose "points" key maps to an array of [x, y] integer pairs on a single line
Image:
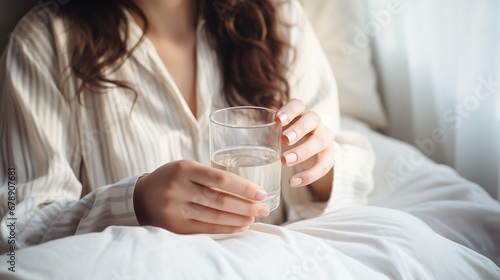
{"points": [[76, 166]]}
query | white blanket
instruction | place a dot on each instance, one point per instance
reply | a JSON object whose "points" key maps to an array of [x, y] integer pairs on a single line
{"points": [[423, 221]]}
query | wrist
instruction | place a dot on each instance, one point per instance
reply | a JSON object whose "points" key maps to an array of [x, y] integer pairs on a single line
{"points": [[322, 188], [140, 211]]}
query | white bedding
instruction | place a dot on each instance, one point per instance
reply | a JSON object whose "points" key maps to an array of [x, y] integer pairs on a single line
{"points": [[423, 221]]}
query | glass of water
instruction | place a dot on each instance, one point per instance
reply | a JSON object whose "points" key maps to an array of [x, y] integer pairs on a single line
{"points": [[247, 141]]}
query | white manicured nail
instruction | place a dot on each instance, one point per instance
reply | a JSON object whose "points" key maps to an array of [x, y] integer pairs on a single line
{"points": [[291, 135], [264, 211], [283, 117], [295, 182], [260, 195], [291, 158]]}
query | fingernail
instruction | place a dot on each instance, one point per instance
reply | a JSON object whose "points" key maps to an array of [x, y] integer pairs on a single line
{"points": [[260, 195], [264, 211], [291, 135], [283, 117], [295, 182], [291, 158]]}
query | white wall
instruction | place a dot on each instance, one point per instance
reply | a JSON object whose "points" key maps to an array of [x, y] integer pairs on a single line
{"points": [[432, 57]]}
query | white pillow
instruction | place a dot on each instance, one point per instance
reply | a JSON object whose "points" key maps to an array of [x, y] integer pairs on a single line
{"points": [[340, 27]]}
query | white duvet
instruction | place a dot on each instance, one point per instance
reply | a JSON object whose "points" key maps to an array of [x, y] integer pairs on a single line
{"points": [[422, 221]]}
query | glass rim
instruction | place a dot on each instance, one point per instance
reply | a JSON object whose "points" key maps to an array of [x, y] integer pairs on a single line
{"points": [[211, 117]]}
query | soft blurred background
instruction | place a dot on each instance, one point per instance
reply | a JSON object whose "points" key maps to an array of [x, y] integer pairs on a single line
{"points": [[10, 13], [426, 72]]}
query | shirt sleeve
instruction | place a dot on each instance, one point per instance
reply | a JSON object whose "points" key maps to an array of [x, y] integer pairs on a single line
{"points": [[311, 80], [40, 158]]}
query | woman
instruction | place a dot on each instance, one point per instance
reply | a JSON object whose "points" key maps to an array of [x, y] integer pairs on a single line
{"points": [[105, 116]]}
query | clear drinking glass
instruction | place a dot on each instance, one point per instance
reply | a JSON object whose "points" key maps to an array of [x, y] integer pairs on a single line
{"points": [[247, 141]]}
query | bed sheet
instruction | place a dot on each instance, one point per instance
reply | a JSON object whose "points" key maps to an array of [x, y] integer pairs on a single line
{"points": [[423, 221]]}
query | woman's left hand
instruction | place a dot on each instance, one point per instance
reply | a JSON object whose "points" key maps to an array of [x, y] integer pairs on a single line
{"points": [[308, 143]]}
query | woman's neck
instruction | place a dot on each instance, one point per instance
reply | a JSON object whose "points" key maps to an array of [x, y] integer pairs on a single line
{"points": [[173, 20]]}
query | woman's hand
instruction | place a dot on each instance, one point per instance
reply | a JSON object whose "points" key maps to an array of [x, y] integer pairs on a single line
{"points": [[309, 143], [179, 197]]}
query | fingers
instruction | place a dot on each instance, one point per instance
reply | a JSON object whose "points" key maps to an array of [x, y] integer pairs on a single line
{"points": [[170, 198], [207, 176], [324, 163], [194, 226], [212, 216], [307, 124], [229, 203], [315, 144], [306, 142], [286, 114]]}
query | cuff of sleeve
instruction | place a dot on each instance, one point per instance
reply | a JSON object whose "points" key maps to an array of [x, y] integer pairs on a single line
{"points": [[353, 172], [114, 206]]}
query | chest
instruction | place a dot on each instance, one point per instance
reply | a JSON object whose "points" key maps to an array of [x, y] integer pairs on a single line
{"points": [[181, 63]]}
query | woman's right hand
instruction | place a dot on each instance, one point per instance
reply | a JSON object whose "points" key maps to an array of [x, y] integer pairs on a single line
{"points": [[179, 197]]}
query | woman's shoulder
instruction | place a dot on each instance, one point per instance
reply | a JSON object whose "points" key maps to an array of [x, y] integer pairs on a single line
{"points": [[37, 51], [293, 20], [40, 27]]}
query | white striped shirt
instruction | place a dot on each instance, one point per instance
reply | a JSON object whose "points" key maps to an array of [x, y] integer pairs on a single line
{"points": [[76, 166]]}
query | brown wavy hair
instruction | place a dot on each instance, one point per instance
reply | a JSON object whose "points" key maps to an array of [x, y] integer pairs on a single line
{"points": [[244, 33]]}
